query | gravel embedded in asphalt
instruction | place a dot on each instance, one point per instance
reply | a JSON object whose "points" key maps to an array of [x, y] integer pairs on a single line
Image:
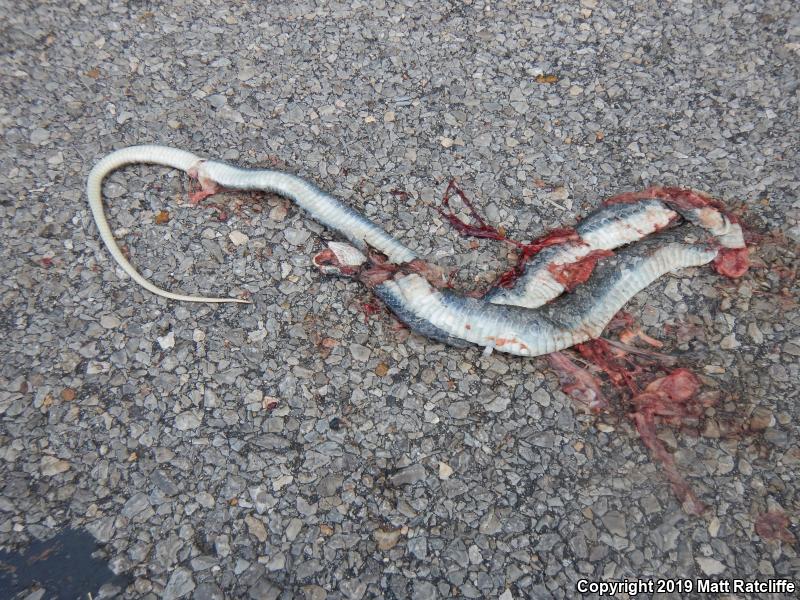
{"points": [[292, 448]]}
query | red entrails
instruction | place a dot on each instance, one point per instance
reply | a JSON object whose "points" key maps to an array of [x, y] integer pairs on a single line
{"points": [[207, 188], [671, 396], [375, 275], [370, 308], [328, 258], [436, 275], [629, 331], [197, 197], [479, 230], [578, 383], [599, 353], [628, 335], [621, 320], [645, 426], [672, 399], [529, 250], [571, 275], [732, 262]]}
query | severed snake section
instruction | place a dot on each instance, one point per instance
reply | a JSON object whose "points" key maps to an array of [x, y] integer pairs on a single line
{"points": [[453, 318], [530, 318], [212, 174]]}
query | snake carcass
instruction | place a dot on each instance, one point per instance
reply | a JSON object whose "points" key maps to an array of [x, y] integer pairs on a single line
{"points": [[531, 317]]}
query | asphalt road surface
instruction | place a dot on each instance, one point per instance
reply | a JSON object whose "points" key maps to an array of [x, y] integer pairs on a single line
{"points": [[293, 447]]}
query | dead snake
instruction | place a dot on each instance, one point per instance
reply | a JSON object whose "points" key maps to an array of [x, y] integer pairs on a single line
{"points": [[530, 318]]}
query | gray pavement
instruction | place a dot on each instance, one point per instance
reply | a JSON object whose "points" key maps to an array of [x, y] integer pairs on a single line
{"points": [[291, 449]]}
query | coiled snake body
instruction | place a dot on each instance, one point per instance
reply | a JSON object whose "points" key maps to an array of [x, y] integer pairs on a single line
{"points": [[530, 318]]}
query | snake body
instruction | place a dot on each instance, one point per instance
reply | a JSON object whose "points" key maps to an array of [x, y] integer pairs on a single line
{"points": [[326, 209], [518, 320], [607, 228], [571, 319]]}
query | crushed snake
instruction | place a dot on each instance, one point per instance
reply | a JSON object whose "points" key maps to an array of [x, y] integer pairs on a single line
{"points": [[529, 319]]}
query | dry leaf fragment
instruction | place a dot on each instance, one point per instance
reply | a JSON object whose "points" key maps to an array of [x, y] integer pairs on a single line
{"points": [[387, 539], [546, 78]]}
